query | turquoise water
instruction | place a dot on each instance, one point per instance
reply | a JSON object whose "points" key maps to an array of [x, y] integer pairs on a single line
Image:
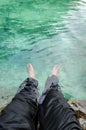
{"points": [[43, 33]]}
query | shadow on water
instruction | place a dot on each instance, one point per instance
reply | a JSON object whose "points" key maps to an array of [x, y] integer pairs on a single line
{"points": [[43, 33]]}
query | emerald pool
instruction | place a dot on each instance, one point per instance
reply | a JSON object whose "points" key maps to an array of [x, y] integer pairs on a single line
{"points": [[44, 33]]}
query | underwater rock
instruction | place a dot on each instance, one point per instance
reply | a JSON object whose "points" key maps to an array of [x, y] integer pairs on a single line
{"points": [[4, 101], [80, 110], [1, 108]]}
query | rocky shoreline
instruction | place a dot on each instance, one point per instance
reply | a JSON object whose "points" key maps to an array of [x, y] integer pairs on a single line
{"points": [[80, 110]]}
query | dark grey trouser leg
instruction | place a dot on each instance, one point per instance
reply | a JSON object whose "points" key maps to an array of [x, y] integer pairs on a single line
{"points": [[20, 113], [54, 111]]}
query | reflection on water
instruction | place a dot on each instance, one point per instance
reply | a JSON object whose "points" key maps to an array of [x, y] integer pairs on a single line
{"points": [[43, 33]]}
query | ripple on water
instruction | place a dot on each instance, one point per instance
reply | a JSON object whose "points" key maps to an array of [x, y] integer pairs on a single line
{"points": [[43, 33]]}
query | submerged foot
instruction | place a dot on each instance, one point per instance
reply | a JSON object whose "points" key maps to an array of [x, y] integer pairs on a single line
{"points": [[55, 70], [30, 71]]}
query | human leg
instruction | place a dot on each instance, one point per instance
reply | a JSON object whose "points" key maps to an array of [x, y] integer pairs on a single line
{"points": [[54, 111], [21, 112]]}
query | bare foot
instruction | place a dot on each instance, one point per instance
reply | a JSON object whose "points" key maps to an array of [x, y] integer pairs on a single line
{"points": [[55, 70], [30, 71]]}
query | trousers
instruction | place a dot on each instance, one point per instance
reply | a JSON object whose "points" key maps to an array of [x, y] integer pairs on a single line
{"points": [[51, 112]]}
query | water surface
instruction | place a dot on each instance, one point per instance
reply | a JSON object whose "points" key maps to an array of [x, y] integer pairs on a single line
{"points": [[43, 33]]}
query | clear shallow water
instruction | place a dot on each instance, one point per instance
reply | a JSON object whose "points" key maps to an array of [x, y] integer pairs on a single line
{"points": [[43, 33]]}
